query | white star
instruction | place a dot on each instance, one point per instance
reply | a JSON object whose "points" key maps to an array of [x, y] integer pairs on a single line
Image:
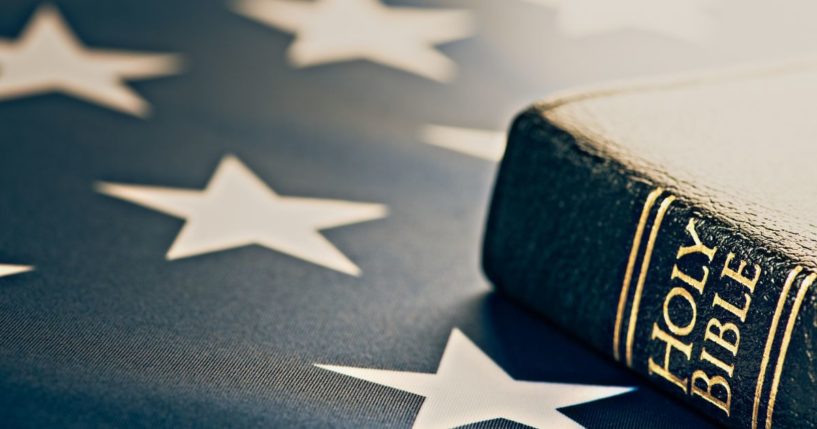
{"points": [[10, 270], [470, 388], [682, 19], [488, 145], [238, 209], [47, 57], [340, 30]]}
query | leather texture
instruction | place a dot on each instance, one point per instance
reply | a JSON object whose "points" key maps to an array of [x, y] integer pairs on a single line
{"points": [[739, 143], [735, 148]]}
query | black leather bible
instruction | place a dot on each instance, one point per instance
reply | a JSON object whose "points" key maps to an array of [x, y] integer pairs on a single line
{"points": [[672, 224]]}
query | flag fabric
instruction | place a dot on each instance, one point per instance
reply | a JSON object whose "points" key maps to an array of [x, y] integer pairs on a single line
{"points": [[268, 213]]}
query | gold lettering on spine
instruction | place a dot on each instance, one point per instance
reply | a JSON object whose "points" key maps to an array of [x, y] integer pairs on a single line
{"points": [[738, 276], [740, 313], [784, 346], [725, 367], [681, 331], [697, 284], [664, 369], [719, 339], [699, 245], [628, 274], [708, 394], [642, 275], [721, 335], [764, 362]]}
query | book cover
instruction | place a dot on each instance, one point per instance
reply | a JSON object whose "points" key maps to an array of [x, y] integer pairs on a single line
{"points": [[671, 225]]}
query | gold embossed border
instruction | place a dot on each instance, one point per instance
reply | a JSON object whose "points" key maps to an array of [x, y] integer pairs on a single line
{"points": [[784, 337], [630, 273]]}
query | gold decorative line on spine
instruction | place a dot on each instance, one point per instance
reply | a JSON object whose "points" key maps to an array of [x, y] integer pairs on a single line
{"points": [[781, 301], [784, 346], [628, 274], [642, 275]]}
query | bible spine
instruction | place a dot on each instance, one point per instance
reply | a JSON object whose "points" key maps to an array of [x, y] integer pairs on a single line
{"points": [[710, 314]]}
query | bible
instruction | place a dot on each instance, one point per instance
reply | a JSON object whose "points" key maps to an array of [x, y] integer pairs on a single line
{"points": [[672, 224]]}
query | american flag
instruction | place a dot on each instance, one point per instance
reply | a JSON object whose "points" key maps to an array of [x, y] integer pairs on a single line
{"points": [[268, 213]]}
